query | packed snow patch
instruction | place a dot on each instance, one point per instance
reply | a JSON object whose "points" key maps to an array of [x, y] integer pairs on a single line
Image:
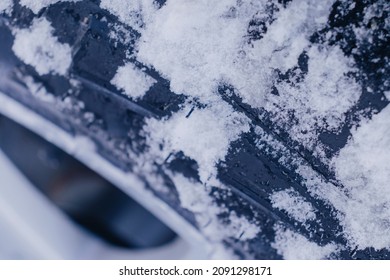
{"points": [[293, 246], [37, 5], [38, 47], [363, 167], [295, 205], [6, 6], [204, 135], [132, 80]]}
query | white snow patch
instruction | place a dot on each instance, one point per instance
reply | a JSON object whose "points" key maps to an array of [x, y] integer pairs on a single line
{"points": [[135, 13], [39, 48], [320, 100], [296, 206], [39, 90], [193, 196], [205, 42], [363, 167], [294, 246], [6, 6], [37, 5], [387, 94], [196, 197], [288, 36], [132, 80], [197, 44], [119, 33], [204, 136], [241, 228], [317, 186]]}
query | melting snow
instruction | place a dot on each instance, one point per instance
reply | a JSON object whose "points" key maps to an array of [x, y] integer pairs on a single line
{"points": [[39, 48], [132, 80]]}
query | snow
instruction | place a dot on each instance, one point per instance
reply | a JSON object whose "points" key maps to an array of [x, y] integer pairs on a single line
{"points": [[6, 6], [205, 135], [361, 203], [288, 35], [119, 33], [204, 44], [387, 95], [295, 205], [363, 167], [39, 48], [38, 90], [195, 197], [320, 100], [37, 5], [293, 246], [241, 228], [133, 81], [84, 150], [135, 13], [201, 46]]}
